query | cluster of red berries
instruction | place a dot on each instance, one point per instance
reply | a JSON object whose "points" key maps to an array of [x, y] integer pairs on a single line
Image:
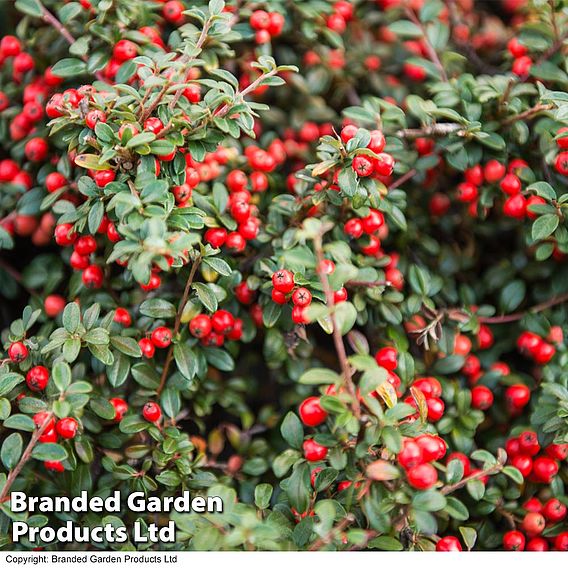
{"points": [[561, 162], [379, 166], [160, 338], [534, 346], [522, 63], [341, 15], [432, 391], [266, 25], [52, 430], [539, 516], [416, 456], [523, 451], [213, 330]]}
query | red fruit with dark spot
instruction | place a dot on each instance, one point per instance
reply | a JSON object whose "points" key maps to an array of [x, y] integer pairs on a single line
{"points": [[448, 544], [387, 358], [301, 297], [411, 454], [544, 469], [37, 378], [161, 337], [67, 428], [17, 352], [514, 540], [152, 411], [200, 326], [122, 317], [533, 524], [36, 149], [283, 281], [93, 276], [222, 321], [481, 397], [147, 347], [554, 510], [362, 166], [311, 412], [517, 397]]}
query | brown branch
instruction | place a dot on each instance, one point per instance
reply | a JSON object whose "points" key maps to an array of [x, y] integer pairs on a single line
{"points": [[432, 54], [478, 475], [529, 113], [366, 284], [337, 337], [440, 129], [402, 179], [50, 19], [520, 315], [24, 459], [177, 324]]}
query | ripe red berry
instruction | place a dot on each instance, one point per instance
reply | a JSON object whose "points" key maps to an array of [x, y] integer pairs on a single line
{"points": [[561, 163], [200, 326], [314, 451], [152, 284], [278, 297], [383, 164], [122, 317], [93, 276], [537, 544], [362, 165], [466, 192], [222, 321], [522, 65], [554, 510], [514, 540], [173, 11], [411, 454], [36, 149], [67, 428], [42, 419], [154, 125], [481, 397], [55, 181], [53, 305], [93, 117], [235, 242], [17, 352], [124, 49], [152, 411], [544, 469], [533, 524], [511, 184], [37, 378], [515, 206], [340, 295], [373, 222], [430, 386], [283, 281], [54, 466], [387, 358], [561, 541], [10, 46], [85, 245], [301, 297], [433, 447], [353, 228], [435, 408], [523, 463], [299, 315], [104, 177], [161, 337], [448, 544], [377, 143], [557, 451], [120, 408], [147, 347], [422, 476], [517, 396], [311, 412], [493, 171], [562, 141]]}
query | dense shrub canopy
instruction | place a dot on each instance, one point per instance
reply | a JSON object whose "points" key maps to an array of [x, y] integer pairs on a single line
{"points": [[308, 256]]}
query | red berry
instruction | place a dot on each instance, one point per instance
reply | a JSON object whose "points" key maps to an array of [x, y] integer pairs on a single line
{"points": [[53, 305], [353, 228], [433, 447], [154, 125], [17, 352], [161, 337], [481, 397], [430, 386], [36, 149], [85, 245], [562, 142], [515, 206], [448, 544], [311, 412], [517, 396], [37, 378], [377, 143], [544, 469], [93, 117], [554, 510], [422, 476], [55, 181], [173, 11], [299, 315], [283, 281], [362, 165], [514, 540], [373, 222], [259, 20], [557, 451], [278, 297], [235, 242], [200, 326], [54, 466], [222, 321], [528, 443], [411, 454], [494, 171], [10, 46], [301, 297], [523, 463], [67, 428], [93, 276], [533, 524], [244, 294], [42, 419], [511, 184], [387, 358], [466, 192], [147, 347], [340, 295], [561, 541], [522, 65], [120, 408], [383, 164], [314, 451], [152, 411], [561, 163], [122, 317], [435, 408], [103, 177], [537, 544]]}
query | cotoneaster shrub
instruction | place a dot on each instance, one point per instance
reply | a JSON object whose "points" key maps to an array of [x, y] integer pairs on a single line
{"points": [[308, 256]]}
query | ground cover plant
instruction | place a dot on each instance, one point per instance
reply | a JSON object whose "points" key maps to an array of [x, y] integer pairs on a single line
{"points": [[309, 256]]}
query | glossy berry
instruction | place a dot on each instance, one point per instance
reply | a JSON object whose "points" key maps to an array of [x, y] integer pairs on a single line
{"points": [[387, 358], [301, 297], [283, 281], [147, 347], [448, 544], [120, 408], [161, 337], [314, 451], [514, 540], [67, 428], [17, 352], [222, 321], [200, 326], [411, 454], [311, 412], [122, 317], [481, 397], [152, 411], [423, 476], [554, 510], [93, 276], [517, 397], [37, 378]]}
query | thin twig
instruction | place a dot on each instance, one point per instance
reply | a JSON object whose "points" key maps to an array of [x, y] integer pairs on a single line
{"points": [[24, 459], [440, 129], [337, 337], [520, 315], [340, 527], [402, 179], [529, 113], [478, 475], [177, 324]]}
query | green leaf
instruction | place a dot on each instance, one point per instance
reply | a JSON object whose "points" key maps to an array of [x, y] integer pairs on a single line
{"points": [[469, 536], [405, 29], [262, 495], [544, 226], [319, 376], [158, 309], [292, 430], [514, 474], [102, 407], [49, 452], [9, 381], [20, 422], [218, 265], [298, 487], [11, 450], [476, 489], [347, 181], [69, 67], [30, 7], [71, 317], [429, 501], [512, 295], [186, 360], [386, 543], [345, 316], [219, 358], [456, 509], [206, 296], [127, 345], [61, 374]]}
